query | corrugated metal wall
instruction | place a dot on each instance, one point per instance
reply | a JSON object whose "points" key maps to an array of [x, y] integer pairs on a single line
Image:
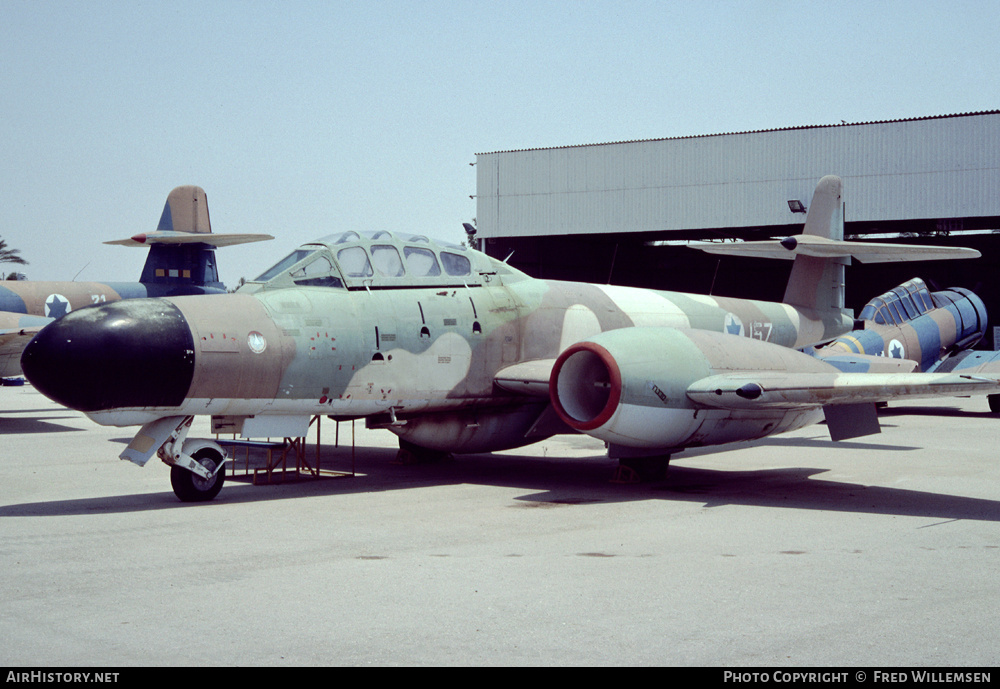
{"points": [[945, 167]]}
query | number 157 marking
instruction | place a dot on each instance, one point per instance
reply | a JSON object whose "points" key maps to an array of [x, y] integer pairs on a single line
{"points": [[759, 330]]}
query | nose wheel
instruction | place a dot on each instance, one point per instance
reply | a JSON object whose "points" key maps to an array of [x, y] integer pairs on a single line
{"points": [[190, 487]]}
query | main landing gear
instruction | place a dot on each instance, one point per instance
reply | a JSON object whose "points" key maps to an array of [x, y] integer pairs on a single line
{"points": [[641, 469], [414, 454]]}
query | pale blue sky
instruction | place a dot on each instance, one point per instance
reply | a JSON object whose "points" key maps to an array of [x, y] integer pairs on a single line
{"points": [[304, 118]]}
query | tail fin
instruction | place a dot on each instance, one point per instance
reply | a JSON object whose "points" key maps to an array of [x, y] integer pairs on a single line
{"points": [[186, 210], [815, 282], [820, 252], [182, 249]]}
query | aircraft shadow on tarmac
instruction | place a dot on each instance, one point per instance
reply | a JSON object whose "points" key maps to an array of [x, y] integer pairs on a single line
{"points": [[11, 425], [947, 412], [559, 483]]}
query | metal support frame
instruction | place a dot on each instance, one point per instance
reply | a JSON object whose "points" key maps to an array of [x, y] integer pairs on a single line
{"points": [[297, 447]]}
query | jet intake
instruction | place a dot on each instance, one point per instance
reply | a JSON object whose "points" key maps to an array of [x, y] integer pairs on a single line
{"points": [[586, 386]]}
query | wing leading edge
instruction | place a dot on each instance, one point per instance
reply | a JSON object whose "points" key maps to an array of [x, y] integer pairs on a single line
{"points": [[822, 247], [847, 399], [758, 390]]}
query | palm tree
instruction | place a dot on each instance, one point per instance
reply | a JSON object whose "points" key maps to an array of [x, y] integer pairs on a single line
{"points": [[10, 255]]}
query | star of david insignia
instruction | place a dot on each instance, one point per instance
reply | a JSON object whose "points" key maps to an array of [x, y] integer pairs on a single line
{"points": [[57, 306]]}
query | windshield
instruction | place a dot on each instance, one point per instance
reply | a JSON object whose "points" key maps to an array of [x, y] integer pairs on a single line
{"points": [[284, 264], [318, 272]]}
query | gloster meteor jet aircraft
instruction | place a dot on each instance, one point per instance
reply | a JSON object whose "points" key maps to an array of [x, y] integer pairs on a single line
{"points": [[457, 352]]}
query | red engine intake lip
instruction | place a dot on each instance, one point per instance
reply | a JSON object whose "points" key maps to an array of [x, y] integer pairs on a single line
{"points": [[614, 381]]}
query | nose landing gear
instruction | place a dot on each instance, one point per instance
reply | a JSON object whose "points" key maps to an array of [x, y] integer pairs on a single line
{"points": [[197, 467], [193, 487]]}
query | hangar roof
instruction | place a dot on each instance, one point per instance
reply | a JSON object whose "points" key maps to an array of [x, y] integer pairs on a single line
{"points": [[917, 174], [756, 131]]}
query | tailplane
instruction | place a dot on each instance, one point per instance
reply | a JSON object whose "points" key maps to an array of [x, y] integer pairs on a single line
{"points": [[182, 249], [821, 253]]}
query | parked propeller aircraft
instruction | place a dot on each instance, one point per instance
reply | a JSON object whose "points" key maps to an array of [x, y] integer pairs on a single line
{"points": [[907, 329], [181, 261], [913, 328], [454, 351]]}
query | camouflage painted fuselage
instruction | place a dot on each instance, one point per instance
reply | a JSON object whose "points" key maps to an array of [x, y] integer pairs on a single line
{"points": [[338, 329]]}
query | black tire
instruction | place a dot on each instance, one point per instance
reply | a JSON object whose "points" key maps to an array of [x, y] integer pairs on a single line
{"points": [[994, 401], [189, 487]]}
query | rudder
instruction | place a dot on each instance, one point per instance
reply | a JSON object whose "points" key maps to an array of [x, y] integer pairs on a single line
{"points": [[818, 283]]}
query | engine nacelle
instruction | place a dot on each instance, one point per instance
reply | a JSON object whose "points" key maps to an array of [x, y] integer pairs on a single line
{"points": [[629, 387]]}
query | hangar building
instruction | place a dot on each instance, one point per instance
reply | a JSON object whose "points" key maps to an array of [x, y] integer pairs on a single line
{"points": [[620, 212]]}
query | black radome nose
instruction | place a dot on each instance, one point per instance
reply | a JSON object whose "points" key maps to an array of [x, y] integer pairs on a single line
{"points": [[134, 353]]}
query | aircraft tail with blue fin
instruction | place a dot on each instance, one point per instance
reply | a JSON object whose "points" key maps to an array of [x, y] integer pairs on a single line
{"points": [[182, 249], [181, 261]]}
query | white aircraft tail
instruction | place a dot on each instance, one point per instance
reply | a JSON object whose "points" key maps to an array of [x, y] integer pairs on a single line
{"points": [[821, 253], [818, 282]]}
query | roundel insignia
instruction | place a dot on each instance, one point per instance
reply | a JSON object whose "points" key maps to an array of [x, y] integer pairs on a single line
{"points": [[733, 325], [57, 306], [896, 350], [256, 342]]}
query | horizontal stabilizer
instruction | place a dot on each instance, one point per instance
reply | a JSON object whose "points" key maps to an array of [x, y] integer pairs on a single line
{"points": [[774, 390], [185, 221], [822, 247], [149, 238]]}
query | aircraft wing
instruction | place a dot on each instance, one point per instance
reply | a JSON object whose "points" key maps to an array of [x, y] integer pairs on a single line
{"points": [[823, 247], [798, 390], [777, 390], [16, 330], [527, 378]]}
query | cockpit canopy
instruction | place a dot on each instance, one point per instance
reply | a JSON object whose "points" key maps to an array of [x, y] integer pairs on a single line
{"points": [[904, 303], [382, 259]]}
